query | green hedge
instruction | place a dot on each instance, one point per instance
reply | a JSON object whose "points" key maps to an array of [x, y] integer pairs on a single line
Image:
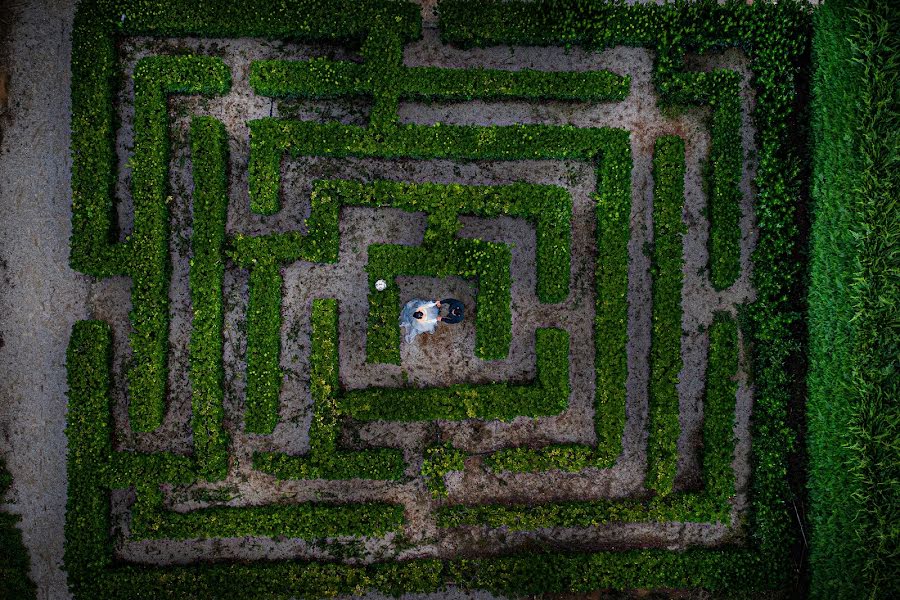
{"points": [[548, 207], [14, 561], [665, 349], [94, 469], [270, 138], [601, 26], [774, 37], [209, 160], [147, 249], [88, 549], [264, 374], [720, 89], [300, 20], [144, 255], [613, 213], [323, 78], [309, 521], [853, 303]]}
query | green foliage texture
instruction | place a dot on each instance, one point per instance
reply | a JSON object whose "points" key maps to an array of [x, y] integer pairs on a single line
{"points": [[14, 561], [774, 36], [854, 303]]}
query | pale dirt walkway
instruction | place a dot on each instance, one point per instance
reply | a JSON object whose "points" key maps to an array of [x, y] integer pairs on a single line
{"points": [[41, 297]]}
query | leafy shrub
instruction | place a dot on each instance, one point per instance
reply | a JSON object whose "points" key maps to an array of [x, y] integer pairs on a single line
{"points": [[665, 350], [14, 561]]}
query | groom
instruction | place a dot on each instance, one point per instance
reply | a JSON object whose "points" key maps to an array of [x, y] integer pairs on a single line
{"points": [[455, 311]]}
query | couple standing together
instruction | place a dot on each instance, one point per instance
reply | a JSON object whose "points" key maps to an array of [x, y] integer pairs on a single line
{"points": [[420, 316]]}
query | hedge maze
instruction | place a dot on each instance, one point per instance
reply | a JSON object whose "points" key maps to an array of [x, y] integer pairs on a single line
{"points": [[407, 506]]}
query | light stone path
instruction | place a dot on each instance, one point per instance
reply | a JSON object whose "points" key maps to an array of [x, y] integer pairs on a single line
{"points": [[41, 297]]}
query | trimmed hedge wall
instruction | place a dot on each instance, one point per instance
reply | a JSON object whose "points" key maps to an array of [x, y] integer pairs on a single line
{"points": [[613, 214], [209, 159], [144, 255], [146, 251], [665, 350], [150, 520], [323, 78], [549, 395], [94, 468], [270, 138], [854, 422]]}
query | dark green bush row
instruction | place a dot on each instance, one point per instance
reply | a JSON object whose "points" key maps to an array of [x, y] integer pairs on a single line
{"points": [[710, 505], [128, 468], [853, 303], [264, 374], [14, 560], [549, 395], [323, 78], [719, 409], [88, 548], [324, 460], [548, 207], [92, 250], [147, 249], [431, 83], [723, 180], [271, 137], [441, 256], [319, 244], [150, 520], [300, 20], [382, 55], [602, 26], [94, 468], [209, 160], [610, 331], [728, 571], [665, 350], [318, 78]]}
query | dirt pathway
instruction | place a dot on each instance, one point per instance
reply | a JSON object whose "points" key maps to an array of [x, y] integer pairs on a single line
{"points": [[41, 297]]}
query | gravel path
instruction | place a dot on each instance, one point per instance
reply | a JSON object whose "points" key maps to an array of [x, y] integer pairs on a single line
{"points": [[41, 297]]}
